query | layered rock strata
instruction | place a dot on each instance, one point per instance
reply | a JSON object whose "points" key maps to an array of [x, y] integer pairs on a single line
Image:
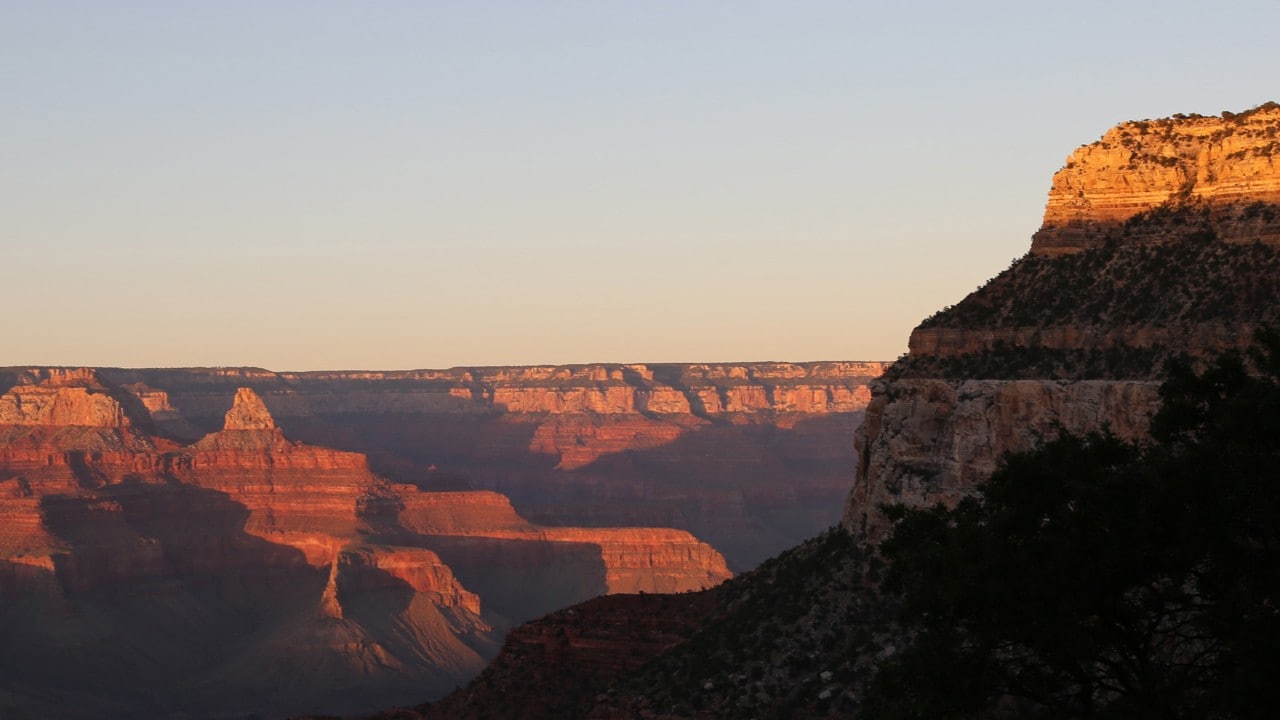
{"points": [[1226, 169], [750, 457], [247, 572]]}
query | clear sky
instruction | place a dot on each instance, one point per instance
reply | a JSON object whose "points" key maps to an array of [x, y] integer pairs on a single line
{"points": [[306, 185]]}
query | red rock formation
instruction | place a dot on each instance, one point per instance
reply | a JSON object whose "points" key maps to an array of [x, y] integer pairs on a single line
{"points": [[61, 406], [248, 413], [632, 559], [1228, 166], [358, 570], [750, 457], [251, 562], [580, 439]]}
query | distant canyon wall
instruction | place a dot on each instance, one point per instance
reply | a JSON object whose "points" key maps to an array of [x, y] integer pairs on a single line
{"points": [[751, 457]]}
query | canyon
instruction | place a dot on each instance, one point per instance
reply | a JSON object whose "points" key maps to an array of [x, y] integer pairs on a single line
{"points": [[747, 457], [1159, 243], [221, 542], [365, 539], [246, 572]]}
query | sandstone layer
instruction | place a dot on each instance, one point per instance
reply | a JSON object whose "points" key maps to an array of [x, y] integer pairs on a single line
{"points": [[1226, 168]]}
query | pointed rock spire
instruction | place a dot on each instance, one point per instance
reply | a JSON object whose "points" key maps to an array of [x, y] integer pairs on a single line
{"points": [[248, 412], [329, 605]]}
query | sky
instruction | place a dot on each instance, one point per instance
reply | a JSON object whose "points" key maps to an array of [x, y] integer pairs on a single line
{"points": [[395, 185]]}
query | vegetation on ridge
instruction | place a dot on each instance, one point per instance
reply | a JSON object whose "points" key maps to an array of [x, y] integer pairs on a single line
{"points": [[1078, 307], [1093, 577], [1189, 280]]}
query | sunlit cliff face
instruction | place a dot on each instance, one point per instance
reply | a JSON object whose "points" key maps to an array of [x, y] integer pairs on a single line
{"points": [[1226, 167], [1162, 239]]}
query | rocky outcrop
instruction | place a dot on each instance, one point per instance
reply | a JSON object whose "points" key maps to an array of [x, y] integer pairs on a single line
{"points": [[494, 550], [1160, 240], [60, 407], [1225, 168], [360, 570], [248, 413]]}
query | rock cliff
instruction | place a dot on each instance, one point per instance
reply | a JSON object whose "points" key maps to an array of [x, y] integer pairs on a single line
{"points": [[1159, 240], [1224, 171], [1074, 335]]}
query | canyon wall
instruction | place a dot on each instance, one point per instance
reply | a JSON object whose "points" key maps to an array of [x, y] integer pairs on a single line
{"points": [[247, 572], [750, 457], [1160, 240]]}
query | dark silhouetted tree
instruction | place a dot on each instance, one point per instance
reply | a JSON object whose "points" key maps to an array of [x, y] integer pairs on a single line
{"points": [[1093, 577]]}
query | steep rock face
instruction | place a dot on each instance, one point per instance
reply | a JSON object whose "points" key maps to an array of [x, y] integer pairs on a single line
{"points": [[364, 569], [929, 441], [750, 457], [61, 407], [1144, 255], [579, 439], [494, 550], [248, 413], [1228, 167]]}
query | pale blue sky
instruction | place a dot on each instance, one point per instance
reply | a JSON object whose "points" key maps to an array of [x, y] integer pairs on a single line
{"points": [[303, 185]]}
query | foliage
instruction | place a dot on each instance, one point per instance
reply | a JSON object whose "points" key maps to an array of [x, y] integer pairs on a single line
{"points": [[1094, 577], [1131, 282], [1166, 290]]}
